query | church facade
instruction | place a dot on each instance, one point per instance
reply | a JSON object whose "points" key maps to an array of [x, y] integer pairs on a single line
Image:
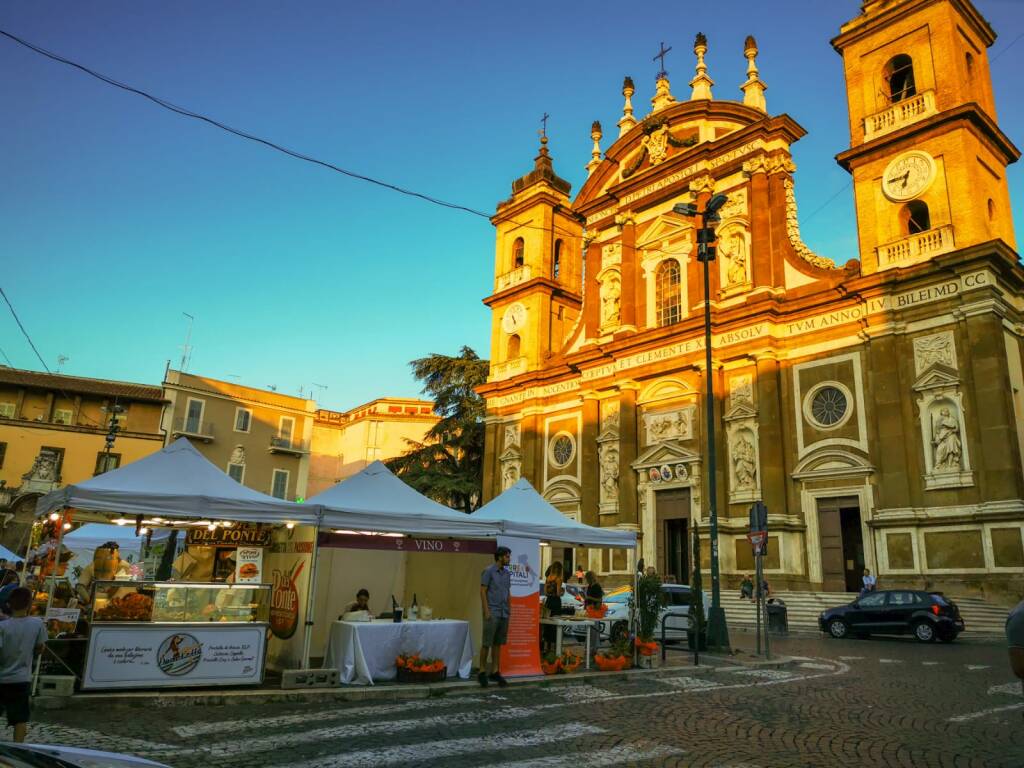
{"points": [[876, 406]]}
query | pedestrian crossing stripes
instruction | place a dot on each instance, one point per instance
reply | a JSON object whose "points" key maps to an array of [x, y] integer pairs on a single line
{"points": [[435, 752], [623, 754], [690, 683]]}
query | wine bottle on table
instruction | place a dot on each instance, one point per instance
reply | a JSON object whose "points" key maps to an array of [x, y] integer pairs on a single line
{"points": [[414, 611]]}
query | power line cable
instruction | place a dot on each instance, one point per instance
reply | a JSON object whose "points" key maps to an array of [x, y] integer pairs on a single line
{"points": [[9, 363]]}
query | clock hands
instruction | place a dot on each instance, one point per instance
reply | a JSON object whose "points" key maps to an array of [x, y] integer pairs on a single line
{"points": [[905, 178]]}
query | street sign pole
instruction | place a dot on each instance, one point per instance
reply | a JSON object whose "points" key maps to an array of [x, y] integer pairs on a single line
{"points": [[759, 541]]}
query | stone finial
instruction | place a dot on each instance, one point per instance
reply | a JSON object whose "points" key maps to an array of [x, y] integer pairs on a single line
{"points": [[753, 89], [701, 83], [595, 153], [662, 94], [627, 121]]}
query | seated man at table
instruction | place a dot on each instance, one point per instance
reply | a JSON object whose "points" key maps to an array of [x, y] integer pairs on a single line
{"points": [[362, 603]]}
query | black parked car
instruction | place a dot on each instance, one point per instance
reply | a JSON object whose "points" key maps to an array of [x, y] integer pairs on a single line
{"points": [[925, 615]]}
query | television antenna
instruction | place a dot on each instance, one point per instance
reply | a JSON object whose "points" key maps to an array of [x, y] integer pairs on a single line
{"points": [[61, 359], [186, 349]]}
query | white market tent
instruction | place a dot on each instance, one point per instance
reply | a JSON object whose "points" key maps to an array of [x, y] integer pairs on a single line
{"points": [[522, 511], [10, 557], [376, 500], [175, 482]]}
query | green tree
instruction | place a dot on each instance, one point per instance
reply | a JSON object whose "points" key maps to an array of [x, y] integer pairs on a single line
{"points": [[448, 465]]}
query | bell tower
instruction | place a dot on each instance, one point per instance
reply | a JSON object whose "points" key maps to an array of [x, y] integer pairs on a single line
{"points": [[927, 156], [537, 268]]}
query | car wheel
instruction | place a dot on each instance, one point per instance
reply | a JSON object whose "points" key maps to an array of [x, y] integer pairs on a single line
{"points": [[619, 632], [838, 628], [924, 632]]}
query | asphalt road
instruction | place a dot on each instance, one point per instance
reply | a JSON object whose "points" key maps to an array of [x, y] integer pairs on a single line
{"points": [[873, 702]]}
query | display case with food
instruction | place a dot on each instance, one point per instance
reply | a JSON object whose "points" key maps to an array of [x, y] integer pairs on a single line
{"points": [[174, 634]]}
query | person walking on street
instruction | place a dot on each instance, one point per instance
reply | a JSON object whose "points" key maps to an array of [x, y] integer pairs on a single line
{"points": [[21, 640], [495, 599]]}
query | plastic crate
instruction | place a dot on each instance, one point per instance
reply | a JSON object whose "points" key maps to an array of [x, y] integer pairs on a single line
{"points": [[56, 685]]}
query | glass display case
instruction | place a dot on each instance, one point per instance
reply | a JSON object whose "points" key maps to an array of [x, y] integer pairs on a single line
{"points": [[179, 602]]}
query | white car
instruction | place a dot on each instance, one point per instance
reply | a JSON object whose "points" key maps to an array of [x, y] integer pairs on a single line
{"points": [[42, 756], [675, 599]]}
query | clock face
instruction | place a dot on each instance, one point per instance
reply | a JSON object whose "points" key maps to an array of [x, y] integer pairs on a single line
{"points": [[908, 175], [514, 318]]}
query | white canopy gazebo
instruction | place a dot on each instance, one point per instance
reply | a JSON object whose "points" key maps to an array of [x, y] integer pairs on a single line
{"points": [[521, 511]]}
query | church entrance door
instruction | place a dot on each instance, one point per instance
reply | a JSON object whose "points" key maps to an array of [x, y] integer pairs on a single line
{"points": [[673, 515], [842, 544]]}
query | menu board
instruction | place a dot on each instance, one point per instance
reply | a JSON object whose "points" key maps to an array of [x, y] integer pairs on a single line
{"points": [[249, 565], [174, 656]]}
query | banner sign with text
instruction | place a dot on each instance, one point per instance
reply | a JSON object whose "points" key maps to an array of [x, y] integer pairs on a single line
{"points": [[520, 656], [406, 544], [237, 535], [172, 657]]}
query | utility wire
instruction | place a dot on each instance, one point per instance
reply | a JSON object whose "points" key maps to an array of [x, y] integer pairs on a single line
{"points": [[9, 363]]}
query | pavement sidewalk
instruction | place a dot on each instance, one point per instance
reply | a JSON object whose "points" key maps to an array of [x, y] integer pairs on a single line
{"points": [[268, 693]]}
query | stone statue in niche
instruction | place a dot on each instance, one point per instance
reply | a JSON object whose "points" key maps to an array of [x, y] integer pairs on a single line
{"points": [[509, 475], [946, 443], [238, 455], [735, 250], [744, 463], [609, 473], [611, 296]]}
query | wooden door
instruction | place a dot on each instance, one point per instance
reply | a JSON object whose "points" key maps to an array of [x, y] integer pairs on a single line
{"points": [[672, 514], [834, 566]]}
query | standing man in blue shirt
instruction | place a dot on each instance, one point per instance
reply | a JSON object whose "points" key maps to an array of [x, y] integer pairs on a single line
{"points": [[495, 599]]}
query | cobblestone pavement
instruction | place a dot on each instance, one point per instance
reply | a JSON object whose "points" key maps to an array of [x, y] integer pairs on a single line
{"points": [[844, 703]]}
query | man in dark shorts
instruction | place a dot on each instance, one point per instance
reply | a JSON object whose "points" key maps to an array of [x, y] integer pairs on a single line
{"points": [[21, 640], [1015, 641], [495, 599]]}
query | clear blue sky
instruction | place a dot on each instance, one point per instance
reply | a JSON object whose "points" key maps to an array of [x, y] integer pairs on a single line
{"points": [[116, 216]]}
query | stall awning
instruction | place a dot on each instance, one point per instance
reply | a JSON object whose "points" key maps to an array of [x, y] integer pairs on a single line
{"points": [[176, 482], [524, 512], [376, 500]]}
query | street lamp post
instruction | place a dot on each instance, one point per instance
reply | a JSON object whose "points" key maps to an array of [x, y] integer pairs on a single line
{"points": [[718, 631]]}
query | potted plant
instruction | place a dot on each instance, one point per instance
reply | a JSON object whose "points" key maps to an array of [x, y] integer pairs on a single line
{"points": [[413, 669], [619, 656], [647, 605], [570, 661], [550, 664]]}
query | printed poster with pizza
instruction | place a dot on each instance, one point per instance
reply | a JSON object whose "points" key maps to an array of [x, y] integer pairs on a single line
{"points": [[249, 565], [520, 656]]}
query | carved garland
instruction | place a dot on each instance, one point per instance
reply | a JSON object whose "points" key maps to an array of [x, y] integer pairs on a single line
{"points": [[793, 230], [649, 127]]}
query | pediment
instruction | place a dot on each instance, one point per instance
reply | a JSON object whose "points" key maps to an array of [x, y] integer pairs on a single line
{"points": [[937, 376], [668, 226], [665, 389], [742, 410], [832, 463], [562, 492], [512, 453], [669, 452]]}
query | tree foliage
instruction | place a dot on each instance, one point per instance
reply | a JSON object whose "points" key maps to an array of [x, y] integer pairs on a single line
{"points": [[448, 465]]}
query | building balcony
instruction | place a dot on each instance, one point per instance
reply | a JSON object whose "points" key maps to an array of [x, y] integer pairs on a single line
{"points": [[508, 369], [285, 444], [509, 279], [915, 248], [900, 114], [197, 430]]}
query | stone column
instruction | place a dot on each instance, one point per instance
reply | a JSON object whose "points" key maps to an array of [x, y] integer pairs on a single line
{"points": [[775, 459], [763, 258], [630, 268], [589, 469], [592, 293], [628, 441]]}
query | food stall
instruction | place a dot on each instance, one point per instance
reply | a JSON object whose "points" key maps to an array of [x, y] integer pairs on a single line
{"points": [[210, 630], [146, 634]]}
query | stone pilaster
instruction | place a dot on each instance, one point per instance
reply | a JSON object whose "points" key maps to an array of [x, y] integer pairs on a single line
{"points": [[589, 468], [775, 467], [592, 290], [491, 436], [630, 269], [628, 450], [533, 450]]}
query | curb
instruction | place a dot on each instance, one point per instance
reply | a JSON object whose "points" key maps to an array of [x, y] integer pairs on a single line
{"points": [[386, 692]]}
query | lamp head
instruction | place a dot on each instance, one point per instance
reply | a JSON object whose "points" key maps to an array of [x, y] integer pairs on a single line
{"points": [[714, 204], [685, 209]]}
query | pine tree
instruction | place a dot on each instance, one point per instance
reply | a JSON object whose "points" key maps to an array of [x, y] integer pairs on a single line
{"points": [[448, 465]]}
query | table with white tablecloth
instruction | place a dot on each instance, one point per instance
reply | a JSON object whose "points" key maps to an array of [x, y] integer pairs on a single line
{"points": [[365, 651]]}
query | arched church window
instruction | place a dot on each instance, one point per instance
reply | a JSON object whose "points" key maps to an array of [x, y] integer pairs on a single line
{"points": [[666, 292], [518, 253], [899, 73], [512, 351], [556, 263], [915, 217]]}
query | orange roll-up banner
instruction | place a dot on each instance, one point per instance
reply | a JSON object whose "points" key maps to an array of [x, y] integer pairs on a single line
{"points": [[520, 656]]}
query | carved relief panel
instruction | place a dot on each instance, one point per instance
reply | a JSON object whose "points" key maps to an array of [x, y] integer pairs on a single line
{"points": [[660, 426], [511, 456]]}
